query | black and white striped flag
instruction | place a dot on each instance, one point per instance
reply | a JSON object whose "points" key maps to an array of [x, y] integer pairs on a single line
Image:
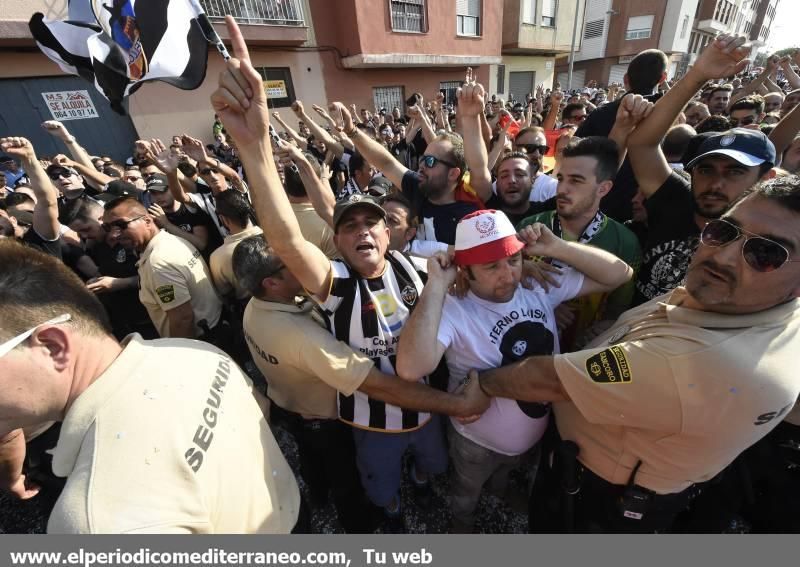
{"points": [[120, 44]]}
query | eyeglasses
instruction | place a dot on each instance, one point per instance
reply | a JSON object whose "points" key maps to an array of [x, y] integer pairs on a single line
{"points": [[533, 148], [208, 170], [577, 117], [119, 224], [431, 161], [761, 254], [63, 173], [132, 178], [11, 344]]}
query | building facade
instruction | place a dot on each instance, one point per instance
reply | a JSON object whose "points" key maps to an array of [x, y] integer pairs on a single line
{"points": [[535, 32], [614, 31], [752, 18]]}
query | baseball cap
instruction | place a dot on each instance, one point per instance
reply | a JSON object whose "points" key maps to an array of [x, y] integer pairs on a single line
{"points": [[23, 217], [748, 147], [157, 182], [379, 186], [58, 168], [120, 188], [353, 201], [485, 236]]}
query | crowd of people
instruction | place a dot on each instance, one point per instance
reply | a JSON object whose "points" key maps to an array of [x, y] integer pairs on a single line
{"points": [[597, 287]]}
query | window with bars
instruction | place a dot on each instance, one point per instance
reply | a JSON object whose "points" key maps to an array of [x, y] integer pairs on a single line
{"points": [[388, 97], [468, 17], [501, 78], [408, 15], [549, 8], [449, 88], [593, 29], [639, 27]]}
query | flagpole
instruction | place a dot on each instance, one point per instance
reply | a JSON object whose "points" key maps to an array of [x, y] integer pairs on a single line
{"points": [[209, 32]]}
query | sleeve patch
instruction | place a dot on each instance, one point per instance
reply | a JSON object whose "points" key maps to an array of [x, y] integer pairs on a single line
{"points": [[609, 367], [166, 293]]}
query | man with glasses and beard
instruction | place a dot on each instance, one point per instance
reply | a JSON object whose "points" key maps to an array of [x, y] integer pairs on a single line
{"points": [[726, 165], [436, 191]]}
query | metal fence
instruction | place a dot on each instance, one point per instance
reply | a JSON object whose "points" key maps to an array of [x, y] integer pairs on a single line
{"points": [[257, 12]]}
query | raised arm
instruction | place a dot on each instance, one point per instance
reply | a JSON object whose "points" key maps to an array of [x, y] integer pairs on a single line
{"points": [[785, 131], [45, 212], [196, 150], [316, 129], [378, 156], [470, 106], [302, 142], [789, 72], [549, 122], [722, 58], [168, 162], [419, 351], [82, 159], [12, 456], [96, 179], [241, 103], [320, 193], [602, 270], [632, 110]]}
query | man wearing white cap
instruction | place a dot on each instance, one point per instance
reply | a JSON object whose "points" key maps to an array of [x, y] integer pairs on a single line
{"points": [[497, 322]]}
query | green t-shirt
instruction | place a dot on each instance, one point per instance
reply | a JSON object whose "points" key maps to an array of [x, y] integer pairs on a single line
{"points": [[612, 237]]}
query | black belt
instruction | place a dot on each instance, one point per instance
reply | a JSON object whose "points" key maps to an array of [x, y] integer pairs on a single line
{"points": [[592, 481]]}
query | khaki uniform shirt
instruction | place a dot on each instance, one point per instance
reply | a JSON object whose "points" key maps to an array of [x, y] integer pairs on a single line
{"points": [[172, 272], [221, 263], [314, 229], [682, 390], [170, 439], [303, 363]]}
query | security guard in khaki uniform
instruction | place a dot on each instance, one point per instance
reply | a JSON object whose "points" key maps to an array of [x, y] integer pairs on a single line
{"points": [[175, 284], [680, 386]]}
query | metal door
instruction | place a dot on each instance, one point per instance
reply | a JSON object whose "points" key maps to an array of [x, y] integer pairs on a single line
{"points": [[23, 109], [521, 83]]}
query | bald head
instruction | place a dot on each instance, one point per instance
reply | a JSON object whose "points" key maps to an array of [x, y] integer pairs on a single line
{"points": [[126, 206], [676, 141]]}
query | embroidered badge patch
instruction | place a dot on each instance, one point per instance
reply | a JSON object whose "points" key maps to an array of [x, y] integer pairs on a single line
{"points": [[166, 293], [609, 367]]}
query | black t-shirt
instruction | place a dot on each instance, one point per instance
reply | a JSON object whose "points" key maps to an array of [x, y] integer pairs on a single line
{"points": [[52, 247], [672, 238], [534, 208], [124, 309], [187, 218], [617, 203], [436, 222]]}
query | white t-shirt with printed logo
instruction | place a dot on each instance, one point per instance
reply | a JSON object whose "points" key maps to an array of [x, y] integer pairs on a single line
{"points": [[482, 334]]}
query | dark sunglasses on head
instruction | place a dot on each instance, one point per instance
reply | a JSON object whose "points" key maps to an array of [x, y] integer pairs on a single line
{"points": [[119, 224], [760, 253], [207, 170], [532, 148], [431, 161]]}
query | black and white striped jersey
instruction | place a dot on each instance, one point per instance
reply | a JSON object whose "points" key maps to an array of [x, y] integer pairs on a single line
{"points": [[369, 314]]}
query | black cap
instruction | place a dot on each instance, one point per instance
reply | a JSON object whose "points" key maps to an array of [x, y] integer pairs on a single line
{"points": [[157, 182], [352, 202], [379, 186], [120, 188], [748, 147], [57, 167]]}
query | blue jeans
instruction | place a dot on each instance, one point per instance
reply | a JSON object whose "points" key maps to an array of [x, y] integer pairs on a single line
{"points": [[379, 458]]}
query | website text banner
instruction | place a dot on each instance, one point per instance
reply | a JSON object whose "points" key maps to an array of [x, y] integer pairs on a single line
{"points": [[392, 551]]}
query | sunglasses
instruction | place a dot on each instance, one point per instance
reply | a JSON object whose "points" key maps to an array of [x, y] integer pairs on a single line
{"points": [[577, 117], [533, 148], [132, 178], [761, 254], [431, 161], [208, 170], [61, 174], [119, 224], [11, 344]]}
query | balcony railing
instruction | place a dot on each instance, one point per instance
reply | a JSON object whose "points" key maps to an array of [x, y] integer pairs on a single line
{"points": [[257, 12]]}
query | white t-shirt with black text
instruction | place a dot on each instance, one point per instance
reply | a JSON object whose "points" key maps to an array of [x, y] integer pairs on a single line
{"points": [[483, 334]]}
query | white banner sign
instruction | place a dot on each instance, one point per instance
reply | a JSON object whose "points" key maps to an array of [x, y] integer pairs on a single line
{"points": [[70, 105]]}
